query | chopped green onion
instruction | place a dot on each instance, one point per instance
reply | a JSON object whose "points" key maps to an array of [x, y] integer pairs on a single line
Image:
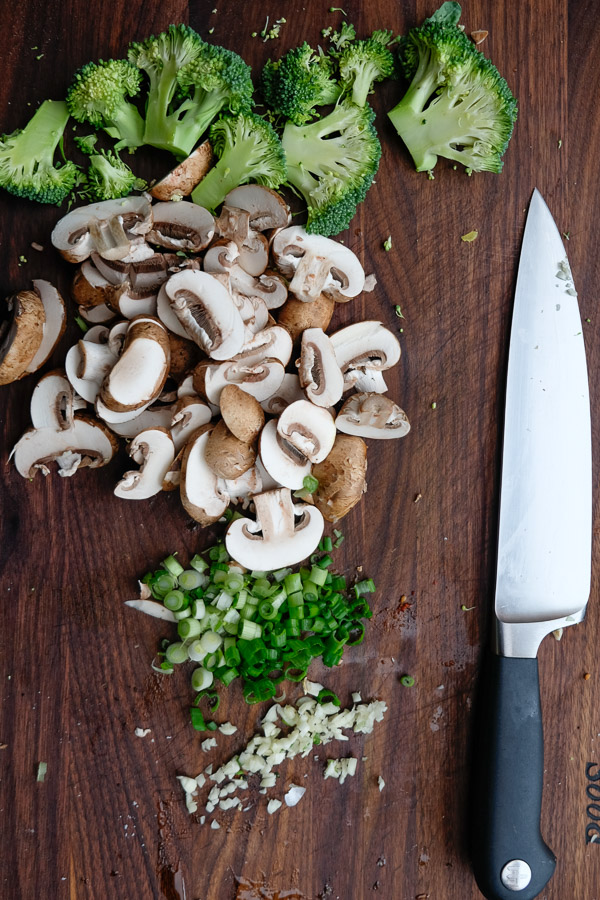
{"points": [[175, 600], [197, 719], [197, 563], [317, 576], [292, 583], [249, 630], [190, 579], [172, 566], [41, 771], [177, 653], [188, 629], [325, 562], [201, 679], [211, 641], [407, 681], [364, 587], [196, 652], [164, 583], [326, 696]]}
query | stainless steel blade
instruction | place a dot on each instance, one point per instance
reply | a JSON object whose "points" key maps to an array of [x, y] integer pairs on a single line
{"points": [[544, 543]]}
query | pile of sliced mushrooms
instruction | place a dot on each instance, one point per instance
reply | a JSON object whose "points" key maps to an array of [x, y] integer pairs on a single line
{"points": [[184, 359]]}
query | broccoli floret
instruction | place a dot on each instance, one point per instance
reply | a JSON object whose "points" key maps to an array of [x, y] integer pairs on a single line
{"points": [[109, 177], [27, 167], [340, 39], [362, 63], [190, 83], [298, 82], [98, 95], [457, 105], [248, 149], [332, 162]]}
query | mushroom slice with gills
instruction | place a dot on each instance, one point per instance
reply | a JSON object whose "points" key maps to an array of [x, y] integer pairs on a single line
{"points": [[254, 312], [53, 402], [254, 254], [233, 224], [266, 208], [111, 227], [364, 345], [181, 226], [268, 286], [227, 456], [268, 482], [369, 381], [21, 335], [143, 267], [308, 428], [181, 181], [341, 477], [116, 336], [260, 380], [167, 316], [270, 343], [54, 323], [297, 316], [137, 378], [288, 392], [155, 416], [98, 334], [282, 461], [97, 315], [243, 488], [86, 442], [130, 303], [90, 288], [154, 452], [172, 478], [275, 540], [202, 497], [220, 257], [320, 375], [372, 416], [316, 265], [242, 413], [188, 415], [207, 312]]}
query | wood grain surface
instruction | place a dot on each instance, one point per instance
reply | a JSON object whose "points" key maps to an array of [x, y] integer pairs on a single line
{"points": [[109, 820]]}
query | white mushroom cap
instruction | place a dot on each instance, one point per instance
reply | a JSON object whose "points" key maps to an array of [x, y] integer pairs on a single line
{"points": [[281, 460], [189, 414], [201, 495], [207, 312], [154, 451], [320, 375], [317, 265], [308, 428], [288, 392], [372, 416], [181, 226], [137, 378], [111, 227], [260, 380], [364, 345], [86, 443], [275, 539]]}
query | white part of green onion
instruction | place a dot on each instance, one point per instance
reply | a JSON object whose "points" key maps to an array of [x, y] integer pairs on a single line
{"points": [[195, 652], [188, 784], [223, 600], [190, 580], [198, 609], [177, 653], [231, 616], [273, 806], [201, 679], [41, 771], [151, 608], [211, 641]]}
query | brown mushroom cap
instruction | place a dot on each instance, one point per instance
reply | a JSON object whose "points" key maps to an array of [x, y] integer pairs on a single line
{"points": [[21, 336], [242, 413], [341, 477], [182, 180], [297, 316], [227, 456], [184, 355]]}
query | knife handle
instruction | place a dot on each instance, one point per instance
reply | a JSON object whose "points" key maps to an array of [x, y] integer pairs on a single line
{"points": [[507, 783]]}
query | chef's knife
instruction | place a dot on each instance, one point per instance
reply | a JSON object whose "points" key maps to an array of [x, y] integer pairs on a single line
{"points": [[544, 559]]}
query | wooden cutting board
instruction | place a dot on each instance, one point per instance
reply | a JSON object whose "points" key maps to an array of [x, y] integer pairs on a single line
{"points": [[109, 820]]}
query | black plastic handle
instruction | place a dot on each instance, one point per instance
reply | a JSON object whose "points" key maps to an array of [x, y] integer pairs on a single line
{"points": [[507, 779]]}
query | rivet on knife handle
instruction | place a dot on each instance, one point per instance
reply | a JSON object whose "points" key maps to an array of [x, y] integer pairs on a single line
{"points": [[510, 858]]}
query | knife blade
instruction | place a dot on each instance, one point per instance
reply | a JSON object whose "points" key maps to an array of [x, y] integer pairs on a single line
{"points": [[544, 559]]}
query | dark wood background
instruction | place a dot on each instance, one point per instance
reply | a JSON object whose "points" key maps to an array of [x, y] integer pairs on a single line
{"points": [[109, 821]]}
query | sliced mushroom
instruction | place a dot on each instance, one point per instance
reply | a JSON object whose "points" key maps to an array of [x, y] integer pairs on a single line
{"points": [[242, 413], [260, 380], [90, 288], [97, 315], [233, 224], [86, 443], [54, 402], [144, 270], [110, 227], [273, 342], [282, 461], [265, 207], [131, 303], [186, 388], [372, 416], [244, 486], [308, 428], [207, 312], [181, 181], [319, 373], [95, 360], [220, 257], [362, 346], [155, 416], [181, 226], [154, 452], [137, 377], [275, 539], [254, 312], [227, 456], [317, 265], [172, 477], [21, 336], [185, 354], [288, 392], [167, 316], [201, 495], [254, 254], [98, 334], [188, 415], [341, 477], [87, 389], [370, 381], [54, 323], [297, 316]]}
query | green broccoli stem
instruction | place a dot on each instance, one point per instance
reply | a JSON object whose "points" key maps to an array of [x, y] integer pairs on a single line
{"points": [[127, 126], [236, 166], [311, 142], [161, 126], [363, 83], [37, 142]]}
